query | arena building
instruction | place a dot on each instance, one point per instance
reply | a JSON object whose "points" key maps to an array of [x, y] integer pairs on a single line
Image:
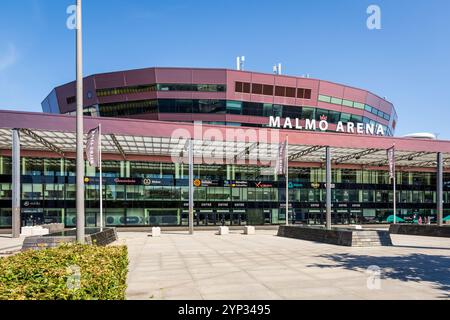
{"points": [[236, 119]]}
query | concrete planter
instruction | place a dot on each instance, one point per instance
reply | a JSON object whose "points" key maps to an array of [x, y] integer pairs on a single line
{"points": [[424, 230], [337, 236], [93, 236]]}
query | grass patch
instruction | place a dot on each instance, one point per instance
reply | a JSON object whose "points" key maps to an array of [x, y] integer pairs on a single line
{"points": [[69, 272]]}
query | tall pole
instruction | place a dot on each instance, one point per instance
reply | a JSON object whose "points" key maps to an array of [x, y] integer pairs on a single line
{"points": [[191, 187], [15, 183], [287, 179], [328, 187], [394, 187], [80, 133], [439, 191], [101, 173]]}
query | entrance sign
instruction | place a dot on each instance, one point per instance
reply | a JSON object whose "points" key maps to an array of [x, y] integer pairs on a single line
{"points": [[323, 125]]}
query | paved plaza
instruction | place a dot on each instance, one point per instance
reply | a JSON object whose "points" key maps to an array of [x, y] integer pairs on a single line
{"points": [[264, 266]]}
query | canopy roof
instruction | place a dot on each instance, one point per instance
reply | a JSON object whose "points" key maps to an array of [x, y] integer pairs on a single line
{"points": [[126, 137]]}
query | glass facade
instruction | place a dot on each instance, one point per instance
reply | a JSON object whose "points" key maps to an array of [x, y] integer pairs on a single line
{"points": [[161, 87], [155, 193], [354, 104], [226, 107]]}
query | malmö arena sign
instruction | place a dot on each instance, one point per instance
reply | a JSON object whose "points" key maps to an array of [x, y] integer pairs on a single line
{"points": [[323, 125]]}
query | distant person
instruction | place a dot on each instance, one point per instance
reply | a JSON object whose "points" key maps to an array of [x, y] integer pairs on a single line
{"points": [[420, 219]]}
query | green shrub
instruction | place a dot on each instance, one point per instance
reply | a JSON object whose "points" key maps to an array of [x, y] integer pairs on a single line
{"points": [[69, 272]]}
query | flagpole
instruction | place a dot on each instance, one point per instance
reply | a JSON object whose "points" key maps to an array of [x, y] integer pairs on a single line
{"points": [[287, 180], [80, 196], [101, 173], [394, 187]]}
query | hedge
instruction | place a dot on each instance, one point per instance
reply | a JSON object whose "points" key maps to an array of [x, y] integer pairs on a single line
{"points": [[69, 272]]}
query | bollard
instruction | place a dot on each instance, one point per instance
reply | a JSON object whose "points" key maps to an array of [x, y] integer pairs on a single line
{"points": [[249, 230], [223, 231], [156, 232]]}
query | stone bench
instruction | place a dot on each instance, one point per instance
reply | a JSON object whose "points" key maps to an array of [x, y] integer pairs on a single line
{"points": [[33, 231]]}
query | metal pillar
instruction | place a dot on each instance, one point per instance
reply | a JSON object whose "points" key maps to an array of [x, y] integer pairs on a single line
{"points": [[328, 187], [439, 193], [287, 180], [191, 186], [80, 133], [15, 183]]}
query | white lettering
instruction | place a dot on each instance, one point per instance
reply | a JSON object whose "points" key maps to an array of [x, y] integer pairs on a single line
{"points": [[360, 128], [274, 122], [323, 125], [340, 127], [297, 124], [287, 123], [310, 124], [350, 127], [370, 129], [380, 130]]}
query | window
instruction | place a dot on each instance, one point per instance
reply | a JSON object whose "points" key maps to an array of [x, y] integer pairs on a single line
{"points": [[71, 100], [324, 98], [356, 119], [359, 105], [347, 103], [268, 90], [290, 92], [257, 88], [345, 117], [246, 87], [368, 108], [234, 107], [333, 117], [209, 87], [280, 91], [292, 112], [239, 87], [307, 94], [336, 101], [308, 113]]}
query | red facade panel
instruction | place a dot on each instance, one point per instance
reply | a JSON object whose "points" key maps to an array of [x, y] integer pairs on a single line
{"points": [[331, 89], [355, 94], [209, 76], [175, 75], [140, 77]]}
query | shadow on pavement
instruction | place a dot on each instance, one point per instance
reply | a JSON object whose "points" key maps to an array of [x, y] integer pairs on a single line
{"points": [[413, 267]]}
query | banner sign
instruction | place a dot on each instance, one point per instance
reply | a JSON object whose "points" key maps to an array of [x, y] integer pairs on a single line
{"points": [[391, 162], [92, 151], [280, 167]]}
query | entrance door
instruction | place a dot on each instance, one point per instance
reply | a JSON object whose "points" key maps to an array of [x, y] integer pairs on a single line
{"points": [[202, 217], [32, 217], [222, 217], [235, 218], [213, 219]]}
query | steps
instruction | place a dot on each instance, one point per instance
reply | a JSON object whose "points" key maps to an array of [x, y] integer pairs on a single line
{"points": [[371, 238]]}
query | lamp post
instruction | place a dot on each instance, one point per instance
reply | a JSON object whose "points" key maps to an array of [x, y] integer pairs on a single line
{"points": [[80, 133]]}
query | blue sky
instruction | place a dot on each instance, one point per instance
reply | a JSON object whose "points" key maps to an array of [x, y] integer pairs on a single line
{"points": [[406, 61]]}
